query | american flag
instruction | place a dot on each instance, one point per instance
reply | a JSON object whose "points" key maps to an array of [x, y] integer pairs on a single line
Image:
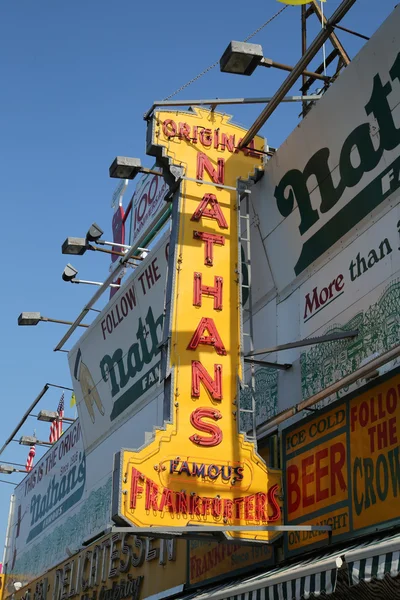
{"points": [[31, 456], [56, 426]]}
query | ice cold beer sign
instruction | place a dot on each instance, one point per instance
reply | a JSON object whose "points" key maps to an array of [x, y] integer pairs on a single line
{"points": [[199, 469]]}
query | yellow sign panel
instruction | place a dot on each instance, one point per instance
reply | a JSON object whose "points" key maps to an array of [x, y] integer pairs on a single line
{"points": [[116, 566], [199, 470], [342, 466], [374, 424]]}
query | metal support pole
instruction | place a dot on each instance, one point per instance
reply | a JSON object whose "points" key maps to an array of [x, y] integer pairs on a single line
{"points": [[217, 101], [332, 36], [321, 38], [303, 49], [266, 62], [30, 409]]}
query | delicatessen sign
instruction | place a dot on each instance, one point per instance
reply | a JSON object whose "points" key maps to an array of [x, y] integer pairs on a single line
{"points": [[199, 469], [115, 567], [343, 466]]}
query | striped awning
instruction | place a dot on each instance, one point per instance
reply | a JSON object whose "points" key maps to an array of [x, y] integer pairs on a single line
{"points": [[291, 582], [374, 559]]}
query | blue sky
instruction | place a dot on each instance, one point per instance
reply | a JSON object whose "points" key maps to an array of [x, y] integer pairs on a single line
{"points": [[76, 80]]}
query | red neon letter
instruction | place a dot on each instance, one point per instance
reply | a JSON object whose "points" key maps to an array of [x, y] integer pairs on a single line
{"points": [[208, 290], [169, 128], [135, 487], [215, 432], [212, 340], [200, 375], [210, 239], [273, 502], [204, 163], [214, 212]]}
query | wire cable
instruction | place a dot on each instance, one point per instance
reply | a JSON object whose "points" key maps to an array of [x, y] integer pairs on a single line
{"points": [[217, 62]]}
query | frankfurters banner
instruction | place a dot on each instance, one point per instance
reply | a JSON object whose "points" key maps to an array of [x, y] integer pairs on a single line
{"points": [[342, 467], [198, 469]]}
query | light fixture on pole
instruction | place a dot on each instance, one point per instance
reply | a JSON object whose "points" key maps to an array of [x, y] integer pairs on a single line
{"points": [[49, 416], [33, 318], [77, 246], [125, 167], [69, 274], [242, 58], [8, 469], [31, 440]]}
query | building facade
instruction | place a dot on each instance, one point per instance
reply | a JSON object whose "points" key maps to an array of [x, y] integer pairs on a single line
{"points": [[176, 429]]}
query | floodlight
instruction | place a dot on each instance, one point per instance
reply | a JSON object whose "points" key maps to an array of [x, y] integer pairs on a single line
{"points": [[7, 469], [241, 58], [94, 233], [48, 416], [29, 318], [69, 273], [74, 245], [28, 440], [125, 167]]}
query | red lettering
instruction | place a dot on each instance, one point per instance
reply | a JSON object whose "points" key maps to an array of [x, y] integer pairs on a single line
{"points": [[151, 502], [214, 212], [261, 513], [136, 489], [306, 479], [353, 417], [201, 375], [196, 419], [169, 128], [181, 502], [210, 239], [205, 164], [166, 502], [273, 502], [213, 339], [336, 466], [184, 131], [321, 472], [228, 508], [205, 138], [199, 289], [293, 488], [392, 431]]}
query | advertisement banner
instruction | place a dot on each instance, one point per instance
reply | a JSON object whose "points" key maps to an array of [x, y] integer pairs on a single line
{"points": [[342, 466], [115, 364], [51, 493], [148, 205], [117, 566], [198, 469], [213, 561], [311, 204]]}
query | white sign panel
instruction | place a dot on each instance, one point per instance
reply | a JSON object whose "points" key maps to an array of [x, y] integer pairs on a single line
{"points": [[339, 166], [148, 205], [328, 214], [115, 364], [55, 507]]}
